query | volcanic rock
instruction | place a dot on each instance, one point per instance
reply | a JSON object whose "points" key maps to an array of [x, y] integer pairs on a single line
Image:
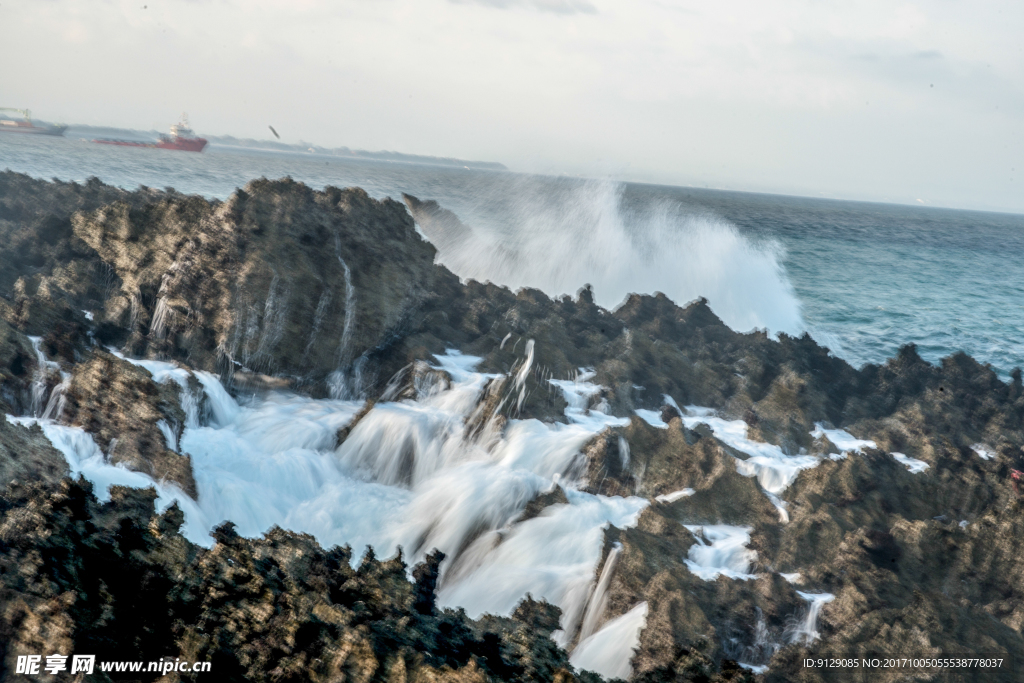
{"points": [[121, 406], [276, 608], [333, 293]]}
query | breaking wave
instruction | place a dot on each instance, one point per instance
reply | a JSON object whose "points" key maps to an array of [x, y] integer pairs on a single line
{"points": [[559, 236]]}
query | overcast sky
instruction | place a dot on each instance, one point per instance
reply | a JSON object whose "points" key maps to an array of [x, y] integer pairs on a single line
{"points": [[889, 100]]}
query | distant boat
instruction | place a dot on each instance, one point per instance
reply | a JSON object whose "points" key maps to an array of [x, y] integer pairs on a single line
{"points": [[182, 138], [26, 125]]}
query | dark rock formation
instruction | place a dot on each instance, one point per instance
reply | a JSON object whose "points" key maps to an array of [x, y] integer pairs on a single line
{"points": [[278, 280], [119, 582], [26, 455], [442, 227], [17, 362], [333, 292], [121, 405]]}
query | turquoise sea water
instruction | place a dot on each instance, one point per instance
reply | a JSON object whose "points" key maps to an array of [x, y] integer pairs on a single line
{"points": [[862, 278]]}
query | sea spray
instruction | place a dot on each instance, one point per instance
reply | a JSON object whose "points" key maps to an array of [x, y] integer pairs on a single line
{"points": [[558, 237]]}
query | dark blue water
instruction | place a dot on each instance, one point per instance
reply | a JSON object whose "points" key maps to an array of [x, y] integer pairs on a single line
{"points": [[871, 277], [863, 278]]}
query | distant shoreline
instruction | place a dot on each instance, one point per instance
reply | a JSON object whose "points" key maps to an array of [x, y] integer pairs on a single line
{"points": [[300, 147]]}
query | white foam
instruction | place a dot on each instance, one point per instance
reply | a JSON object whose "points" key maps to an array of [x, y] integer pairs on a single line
{"points": [[754, 668], [651, 417], [579, 393], [844, 441], [983, 451], [697, 411], [408, 474], [85, 458], [774, 470], [675, 495], [721, 550], [609, 651], [914, 465], [162, 371], [794, 577]]}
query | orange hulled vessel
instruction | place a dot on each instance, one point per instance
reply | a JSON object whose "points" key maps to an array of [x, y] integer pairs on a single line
{"points": [[182, 138]]}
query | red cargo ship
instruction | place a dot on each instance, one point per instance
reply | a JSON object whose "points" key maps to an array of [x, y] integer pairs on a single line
{"points": [[181, 138]]}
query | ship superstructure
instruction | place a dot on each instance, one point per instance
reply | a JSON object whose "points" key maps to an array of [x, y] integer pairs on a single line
{"points": [[182, 138], [26, 126]]}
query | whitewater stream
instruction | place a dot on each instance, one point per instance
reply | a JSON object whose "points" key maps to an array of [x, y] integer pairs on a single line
{"points": [[411, 474]]}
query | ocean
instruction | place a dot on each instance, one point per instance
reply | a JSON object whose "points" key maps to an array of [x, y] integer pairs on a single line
{"points": [[862, 278]]}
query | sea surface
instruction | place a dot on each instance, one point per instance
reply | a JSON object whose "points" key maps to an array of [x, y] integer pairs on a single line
{"points": [[862, 278]]}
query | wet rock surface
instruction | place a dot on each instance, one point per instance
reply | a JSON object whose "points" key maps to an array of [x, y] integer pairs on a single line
{"points": [[333, 293], [278, 608], [122, 407], [277, 280], [26, 456], [17, 363]]}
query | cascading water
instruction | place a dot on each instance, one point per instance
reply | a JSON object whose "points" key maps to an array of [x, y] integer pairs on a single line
{"points": [[409, 474], [610, 650], [44, 368], [721, 550], [806, 630], [340, 384], [599, 600], [55, 406]]}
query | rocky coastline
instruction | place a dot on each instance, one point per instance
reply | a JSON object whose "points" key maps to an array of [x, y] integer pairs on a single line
{"points": [[334, 294]]}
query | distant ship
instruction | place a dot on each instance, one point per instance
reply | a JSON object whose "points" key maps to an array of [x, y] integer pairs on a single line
{"points": [[181, 138], [26, 125]]}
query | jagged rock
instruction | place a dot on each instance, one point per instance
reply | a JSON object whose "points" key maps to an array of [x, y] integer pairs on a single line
{"points": [[278, 279], [275, 608], [345, 431], [253, 288], [416, 381], [535, 507], [26, 455], [426, 575], [488, 412], [17, 362], [442, 227], [121, 406]]}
